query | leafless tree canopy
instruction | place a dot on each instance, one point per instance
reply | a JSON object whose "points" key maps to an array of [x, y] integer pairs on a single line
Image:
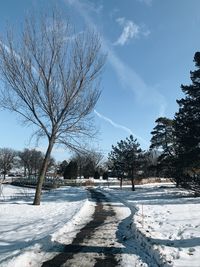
{"points": [[88, 161], [7, 156], [31, 161], [52, 78]]}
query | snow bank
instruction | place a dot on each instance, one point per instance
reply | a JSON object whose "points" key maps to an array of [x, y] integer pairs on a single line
{"points": [[28, 233], [166, 223]]}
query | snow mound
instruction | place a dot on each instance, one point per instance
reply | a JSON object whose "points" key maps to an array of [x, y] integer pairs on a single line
{"points": [[29, 233], [166, 222]]}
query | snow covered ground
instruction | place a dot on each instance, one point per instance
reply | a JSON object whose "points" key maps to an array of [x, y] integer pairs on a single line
{"points": [[27, 232], [166, 222]]}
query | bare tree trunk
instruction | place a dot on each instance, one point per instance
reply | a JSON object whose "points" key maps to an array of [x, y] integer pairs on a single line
{"points": [[121, 182], [4, 175], [132, 180], [24, 171], [42, 173]]}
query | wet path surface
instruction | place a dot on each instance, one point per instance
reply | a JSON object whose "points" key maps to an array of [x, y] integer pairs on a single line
{"points": [[95, 244]]}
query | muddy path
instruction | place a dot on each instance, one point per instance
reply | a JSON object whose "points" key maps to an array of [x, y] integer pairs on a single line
{"points": [[95, 244]]}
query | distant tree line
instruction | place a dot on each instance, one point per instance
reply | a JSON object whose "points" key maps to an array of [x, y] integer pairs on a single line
{"points": [[83, 165], [29, 161]]}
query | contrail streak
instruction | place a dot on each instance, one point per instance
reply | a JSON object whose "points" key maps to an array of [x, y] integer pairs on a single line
{"points": [[119, 126]]}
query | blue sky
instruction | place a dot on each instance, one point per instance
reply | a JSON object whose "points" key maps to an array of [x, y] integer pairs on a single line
{"points": [[150, 46]]}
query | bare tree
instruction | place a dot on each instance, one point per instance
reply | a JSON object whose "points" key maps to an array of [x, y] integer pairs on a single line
{"points": [[52, 78], [31, 160], [88, 161], [7, 156]]}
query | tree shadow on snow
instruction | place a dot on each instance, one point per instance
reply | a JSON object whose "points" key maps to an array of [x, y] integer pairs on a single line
{"points": [[159, 195], [59, 195]]}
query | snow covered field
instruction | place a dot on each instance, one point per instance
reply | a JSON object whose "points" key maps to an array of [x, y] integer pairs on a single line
{"points": [[167, 220], [164, 220], [27, 231]]}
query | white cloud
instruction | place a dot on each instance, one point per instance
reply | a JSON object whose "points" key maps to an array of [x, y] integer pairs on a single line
{"points": [[130, 31], [145, 94], [120, 21]]}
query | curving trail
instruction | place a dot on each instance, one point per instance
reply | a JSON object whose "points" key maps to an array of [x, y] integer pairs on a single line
{"points": [[97, 243]]}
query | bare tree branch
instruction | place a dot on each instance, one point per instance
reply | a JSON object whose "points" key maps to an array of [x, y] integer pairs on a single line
{"points": [[52, 80]]}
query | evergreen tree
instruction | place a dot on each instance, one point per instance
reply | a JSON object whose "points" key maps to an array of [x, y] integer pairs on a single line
{"points": [[149, 163], [126, 158], [163, 139], [71, 170], [96, 175], [88, 169], [88, 162], [105, 176], [163, 136], [187, 126], [61, 167]]}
